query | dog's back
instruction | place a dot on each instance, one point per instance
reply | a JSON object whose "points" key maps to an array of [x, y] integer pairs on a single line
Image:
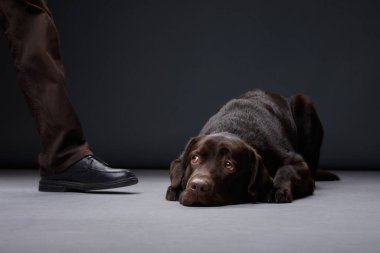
{"points": [[262, 119]]}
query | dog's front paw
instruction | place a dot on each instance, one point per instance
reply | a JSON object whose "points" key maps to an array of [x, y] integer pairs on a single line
{"points": [[281, 195], [172, 194]]}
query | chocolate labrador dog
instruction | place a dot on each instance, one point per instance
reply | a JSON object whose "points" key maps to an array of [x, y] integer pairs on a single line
{"points": [[259, 147]]}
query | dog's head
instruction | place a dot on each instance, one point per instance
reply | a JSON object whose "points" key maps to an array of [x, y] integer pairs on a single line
{"points": [[218, 169]]}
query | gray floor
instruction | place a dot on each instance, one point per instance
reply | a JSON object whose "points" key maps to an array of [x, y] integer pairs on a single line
{"points": [[341, 217]]}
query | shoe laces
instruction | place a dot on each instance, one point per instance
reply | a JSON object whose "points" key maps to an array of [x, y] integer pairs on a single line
{"points": [[98, 159]]}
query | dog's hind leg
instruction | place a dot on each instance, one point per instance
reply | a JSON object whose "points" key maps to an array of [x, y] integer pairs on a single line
{"points": [[310, 135]]}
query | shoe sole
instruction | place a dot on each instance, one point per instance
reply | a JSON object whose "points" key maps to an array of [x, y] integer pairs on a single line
{"points": [[64, 186]]}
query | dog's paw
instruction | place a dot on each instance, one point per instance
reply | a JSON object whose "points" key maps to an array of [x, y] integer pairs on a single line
{"points": [[281, 195], [171, 194]]}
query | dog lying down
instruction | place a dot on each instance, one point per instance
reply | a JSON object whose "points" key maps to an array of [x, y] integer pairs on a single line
{"points": [[259, 147]]}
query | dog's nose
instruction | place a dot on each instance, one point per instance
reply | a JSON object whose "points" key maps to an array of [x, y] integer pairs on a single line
{"points": [[199, 185]]}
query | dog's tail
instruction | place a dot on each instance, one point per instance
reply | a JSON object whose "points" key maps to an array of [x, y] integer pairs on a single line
{"points": [[324, 175]]}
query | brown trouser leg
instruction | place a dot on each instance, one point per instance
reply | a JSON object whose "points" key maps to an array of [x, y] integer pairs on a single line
{"points": [[34, 44]]}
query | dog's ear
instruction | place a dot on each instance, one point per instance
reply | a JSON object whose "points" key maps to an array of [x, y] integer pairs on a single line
{"points": [[176, 175], [177, 171], [261, 183]]}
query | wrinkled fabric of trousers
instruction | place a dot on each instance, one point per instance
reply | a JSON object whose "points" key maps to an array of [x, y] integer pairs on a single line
{"points": [[34, 45]]}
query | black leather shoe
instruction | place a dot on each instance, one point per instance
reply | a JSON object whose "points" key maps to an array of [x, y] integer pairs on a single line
{"points": [[88, 174]]}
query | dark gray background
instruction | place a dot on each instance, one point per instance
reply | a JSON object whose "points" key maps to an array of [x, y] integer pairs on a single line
{"points": [[144, 76]]}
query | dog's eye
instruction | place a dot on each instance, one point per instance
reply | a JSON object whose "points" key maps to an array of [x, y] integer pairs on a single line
{"points": [[195, 159], [229, 166]]}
